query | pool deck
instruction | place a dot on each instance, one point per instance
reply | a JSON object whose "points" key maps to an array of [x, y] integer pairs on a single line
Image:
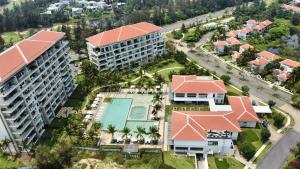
{"points": [[146, 99]]}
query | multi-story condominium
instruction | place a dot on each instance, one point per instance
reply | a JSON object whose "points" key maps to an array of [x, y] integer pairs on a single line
{"points": [[193, 88], [130, 45], [35, 80]]}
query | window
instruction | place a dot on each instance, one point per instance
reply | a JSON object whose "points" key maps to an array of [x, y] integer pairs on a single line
{"points": [[212, 143], [191, 95], [196, 149], [179, 94], [202, 95], [181, 148]]}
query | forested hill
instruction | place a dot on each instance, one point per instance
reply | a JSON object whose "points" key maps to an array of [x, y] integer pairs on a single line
{"points": [[160, 12]]}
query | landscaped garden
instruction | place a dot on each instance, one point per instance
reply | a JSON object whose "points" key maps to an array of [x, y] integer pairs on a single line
{"points": [[226, 163], [8, 162], [178, 162]]}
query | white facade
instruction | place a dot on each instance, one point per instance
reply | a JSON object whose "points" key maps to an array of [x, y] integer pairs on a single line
{"points": [[120, 55], [286, 68], [31, 98], [219, 49], [242, 35], [198, 97], [208, 146]]}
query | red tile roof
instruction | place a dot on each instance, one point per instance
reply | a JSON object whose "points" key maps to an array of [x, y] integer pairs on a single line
{"points": [[233, 41], [25, 51], [268, 55], [290, 63], [122, 33], [242, 109], [259, 27], [232, 33], [247, 30], [236, 54], [193, 125], [191, 83], [247, 46], [259, 62], [282, 74], [291, 8], [266, 23], [251, 21], [220, 43]]}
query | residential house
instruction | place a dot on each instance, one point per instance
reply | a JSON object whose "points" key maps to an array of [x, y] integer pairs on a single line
{"points": [[192, 88], [244, 33], [251, 23], [288, 65], [281, 75], [128, 45], [263, 58], [233, 42], [245, 47], [219, 46], [232, 33], [235, 55], [290, 8]]}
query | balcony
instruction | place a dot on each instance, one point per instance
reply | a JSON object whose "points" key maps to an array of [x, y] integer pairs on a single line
{"points": [[19, 131], [16, 114], [219, 134]]}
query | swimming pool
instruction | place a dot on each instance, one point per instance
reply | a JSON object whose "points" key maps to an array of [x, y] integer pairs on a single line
{"points": [[138, 113], [116, 113]]}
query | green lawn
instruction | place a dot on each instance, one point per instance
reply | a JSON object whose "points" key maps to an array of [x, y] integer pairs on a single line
{"points": [[165, 73], [232, 91], [250, 135], [263, 153], [227, 163], [162, 65], [208, 46], [178, 162], [6, 162]]}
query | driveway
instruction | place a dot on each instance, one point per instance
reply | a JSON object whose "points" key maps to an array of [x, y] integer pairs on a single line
{"points": [[280, 152]]}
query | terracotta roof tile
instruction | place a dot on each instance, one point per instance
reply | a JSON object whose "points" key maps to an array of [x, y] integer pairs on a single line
{"points": [[242, 108], [290, 63], [251, 21], [259, 62], [236, 54], [220, 43], [185, 84], [247, 46], [123, 33], [232, 33], [268, 55], [25, 51], [233, 41]]}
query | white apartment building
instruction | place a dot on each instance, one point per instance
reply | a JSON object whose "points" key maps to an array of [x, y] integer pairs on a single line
{"points": [[193, 88], [130, 45], [35, 80]]}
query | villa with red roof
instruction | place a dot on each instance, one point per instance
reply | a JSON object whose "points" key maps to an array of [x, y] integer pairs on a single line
{"points": [[263, 58], [35, 80], [192, 88], [244, 33], [251, 23], [211, 132], [219, 46], [286, 67], [119, 48], [290, 8], [231, 42], [245, 47], [235, 55]]}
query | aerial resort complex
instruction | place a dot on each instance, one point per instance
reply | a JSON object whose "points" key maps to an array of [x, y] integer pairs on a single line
{"points": [[176, 84]]}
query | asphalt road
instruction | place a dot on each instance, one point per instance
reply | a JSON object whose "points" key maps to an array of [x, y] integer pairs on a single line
{"points": [[280, 152], [177, 25]]}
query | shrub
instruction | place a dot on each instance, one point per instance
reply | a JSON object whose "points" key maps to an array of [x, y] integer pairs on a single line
{"points": [[247, 150], [119, 159], [226, 78], [278, 120], [265, 135]]}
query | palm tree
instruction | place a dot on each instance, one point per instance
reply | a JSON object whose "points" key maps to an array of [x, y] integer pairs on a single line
{"points": [[111, 130], [6, 144], [125, 132], [154, 133], [140, 132]]}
